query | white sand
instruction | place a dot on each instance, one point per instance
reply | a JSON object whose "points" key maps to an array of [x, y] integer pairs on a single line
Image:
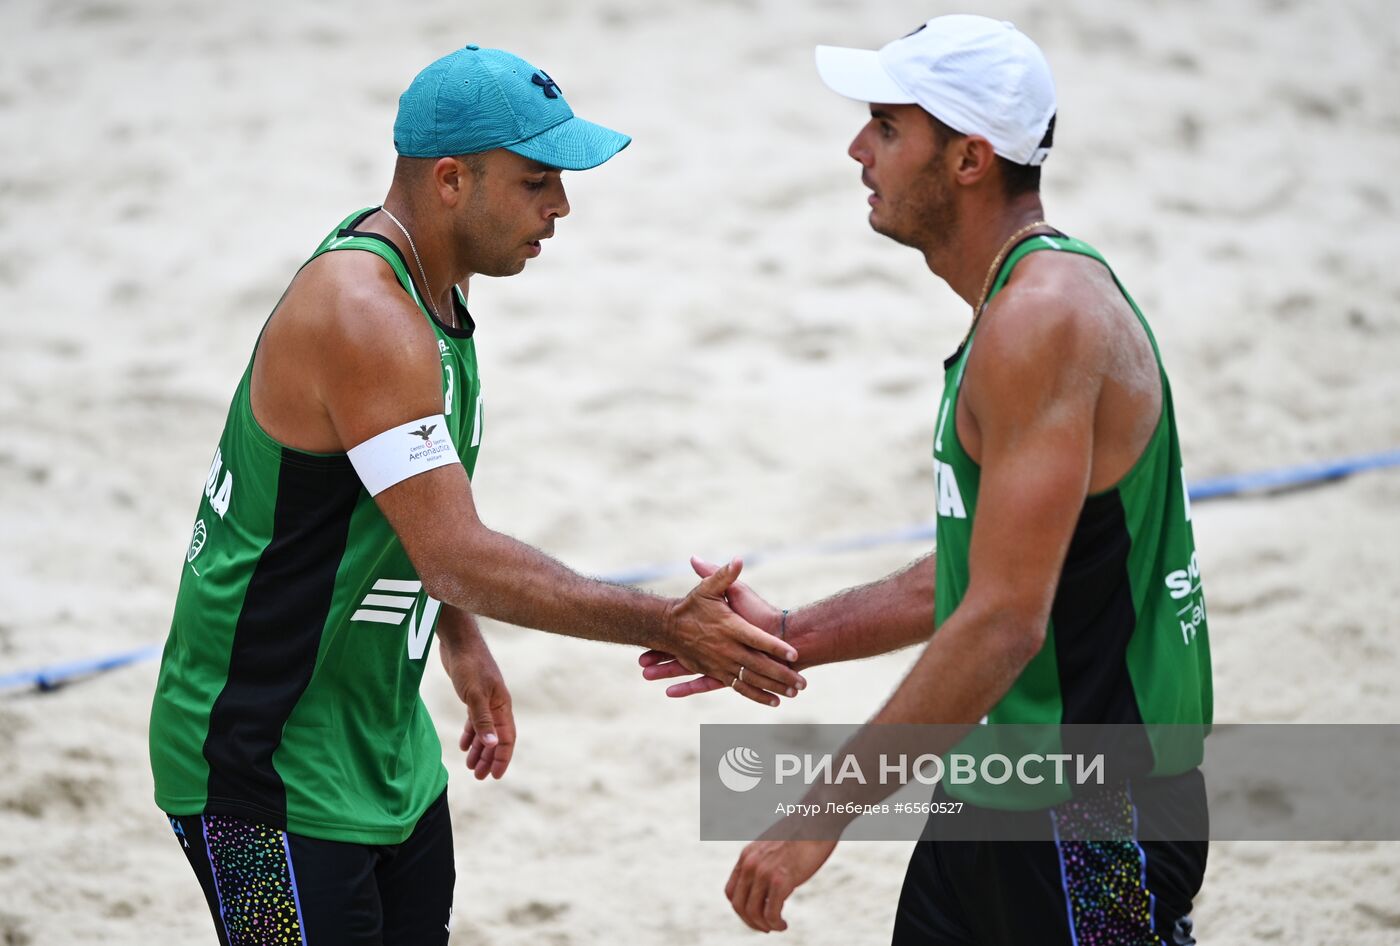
{"points": [[715, 354]]}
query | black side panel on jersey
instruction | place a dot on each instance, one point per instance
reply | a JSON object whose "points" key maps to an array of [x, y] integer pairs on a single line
{"points": [[1094, 619], [278, 635]]}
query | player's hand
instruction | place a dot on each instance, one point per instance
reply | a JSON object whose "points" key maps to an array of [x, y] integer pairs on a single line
{"points": [[659, 665], [488, 738], [707, 637], [767, 873]]}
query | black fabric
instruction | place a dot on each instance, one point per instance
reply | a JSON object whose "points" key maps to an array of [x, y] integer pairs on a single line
{"points": [[353, 894], [1174, 808], [1093, 617], [1010, 893], [1093, 621], [415, 881], [189, 831], [278, 634], [996, 893], [929, 912]]}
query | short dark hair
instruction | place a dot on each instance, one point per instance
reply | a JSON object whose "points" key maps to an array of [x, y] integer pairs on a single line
{"points": [[1016, 179], [406, 168], [476, 162]]}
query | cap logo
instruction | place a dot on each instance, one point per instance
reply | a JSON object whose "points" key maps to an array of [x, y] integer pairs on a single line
{"points": [[919, 29], [1042, 150], [551, 88]]}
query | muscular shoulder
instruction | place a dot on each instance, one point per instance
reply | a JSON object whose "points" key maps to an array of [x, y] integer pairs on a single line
{"points": [[354, 305], [1046, 334], [348, 339]]}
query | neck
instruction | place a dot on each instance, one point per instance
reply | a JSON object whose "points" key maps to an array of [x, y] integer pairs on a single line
{"points": [[964, 257], [434, 247]]}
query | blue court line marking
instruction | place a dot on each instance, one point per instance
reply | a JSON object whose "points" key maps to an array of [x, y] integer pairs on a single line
{"points": [[1216, 488], [52, 676]]}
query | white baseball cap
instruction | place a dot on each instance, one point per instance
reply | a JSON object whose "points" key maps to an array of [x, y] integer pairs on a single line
{"points": [[977, 75]]}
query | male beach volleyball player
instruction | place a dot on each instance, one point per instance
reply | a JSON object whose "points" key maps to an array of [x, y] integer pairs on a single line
{"points": [[1065, 587], [301, 772]]}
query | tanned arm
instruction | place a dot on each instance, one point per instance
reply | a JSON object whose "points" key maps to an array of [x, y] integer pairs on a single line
{"points": [[363, 353], [1038, 373]]}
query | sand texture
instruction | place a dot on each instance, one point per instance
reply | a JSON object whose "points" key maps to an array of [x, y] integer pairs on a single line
{"points": [[714, 355]]}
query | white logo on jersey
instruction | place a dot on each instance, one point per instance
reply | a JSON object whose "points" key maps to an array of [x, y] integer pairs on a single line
{"points": [[197, 540], [394, 599], [950, 501], [1186, 583], [942, 419], [476, 424], [219, 495], [450, 378]]}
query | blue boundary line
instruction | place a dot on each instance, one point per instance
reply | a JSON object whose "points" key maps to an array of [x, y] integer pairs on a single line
{"points": [[55, 675]]}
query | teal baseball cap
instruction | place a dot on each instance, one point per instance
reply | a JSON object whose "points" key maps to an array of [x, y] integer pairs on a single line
{"points": [[477, 99]]}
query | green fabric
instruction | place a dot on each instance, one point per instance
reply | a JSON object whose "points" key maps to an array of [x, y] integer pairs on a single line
{"points": [[1169, 650], [359, 755]]}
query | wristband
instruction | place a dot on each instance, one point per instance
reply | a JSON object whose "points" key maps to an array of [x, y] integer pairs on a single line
{"points": [[782, 627], [403, 451]]}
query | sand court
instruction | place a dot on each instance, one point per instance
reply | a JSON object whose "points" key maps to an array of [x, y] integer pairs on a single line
{"points": [[715, 354]]}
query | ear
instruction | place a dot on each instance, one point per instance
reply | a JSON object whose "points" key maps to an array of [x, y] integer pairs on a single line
{"points": [[971, 159], [454, 181]]}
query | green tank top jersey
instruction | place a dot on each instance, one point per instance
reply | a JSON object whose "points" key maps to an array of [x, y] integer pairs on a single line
{"points": [[288, 688], [1127, 639]]}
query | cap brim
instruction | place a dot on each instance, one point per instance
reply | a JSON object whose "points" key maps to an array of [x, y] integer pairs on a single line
{"points": [[857, 74], [572, 145]]}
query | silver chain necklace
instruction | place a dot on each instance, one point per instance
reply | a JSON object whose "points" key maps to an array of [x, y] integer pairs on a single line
{"points": [[421, 272]]}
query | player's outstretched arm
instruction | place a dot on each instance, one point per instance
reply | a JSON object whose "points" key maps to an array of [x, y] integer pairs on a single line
{"points": [[1035, 403], [378, 368]]}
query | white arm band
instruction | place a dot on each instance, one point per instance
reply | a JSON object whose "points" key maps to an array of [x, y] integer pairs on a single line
{"points": [[400, 452]]}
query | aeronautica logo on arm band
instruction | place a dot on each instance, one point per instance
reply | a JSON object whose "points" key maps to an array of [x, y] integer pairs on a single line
{"points": [[400, 452]]}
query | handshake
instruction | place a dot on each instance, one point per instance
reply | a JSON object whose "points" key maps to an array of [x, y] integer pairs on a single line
{"points": [[725, 635]]}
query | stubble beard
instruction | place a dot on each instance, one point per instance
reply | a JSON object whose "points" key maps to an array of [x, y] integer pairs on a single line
{"points": [[930, 219], [484, 239]]}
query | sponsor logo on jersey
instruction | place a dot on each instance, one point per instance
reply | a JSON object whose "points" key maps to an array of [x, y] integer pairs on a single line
{"points": [[449, 378], [1184, 584], [197, 540], [391, 601]]}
